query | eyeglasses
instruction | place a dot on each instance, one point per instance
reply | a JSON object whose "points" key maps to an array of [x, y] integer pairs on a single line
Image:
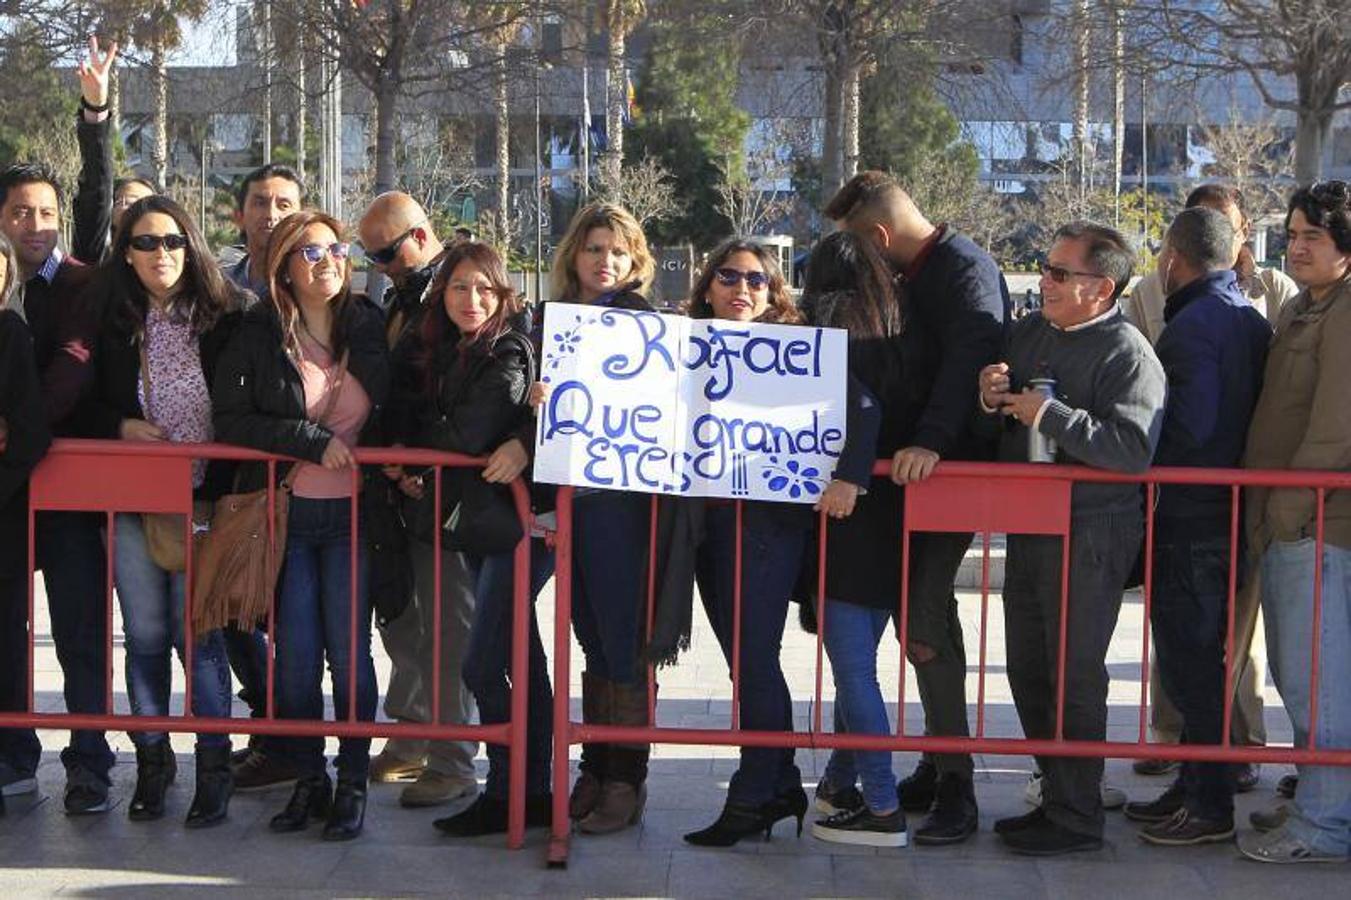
{"points": [[385, 255], [315, 252], [149, 243], [1060, 274], [731, 277]]}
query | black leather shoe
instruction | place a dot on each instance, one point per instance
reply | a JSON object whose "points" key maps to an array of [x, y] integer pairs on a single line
{"points": [[1161, 809], [348, 814], [311, 800], [1018, 823], [791, 804], [954, 816], [1049, 839], [488, 815], [156, 769], [215, 785], [917, 790]]}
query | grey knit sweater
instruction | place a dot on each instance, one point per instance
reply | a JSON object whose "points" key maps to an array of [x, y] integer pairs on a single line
{"points": [[1108, 410]]}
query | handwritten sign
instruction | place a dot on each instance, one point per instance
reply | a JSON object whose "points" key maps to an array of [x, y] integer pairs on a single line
{"points": [[641, 401]]}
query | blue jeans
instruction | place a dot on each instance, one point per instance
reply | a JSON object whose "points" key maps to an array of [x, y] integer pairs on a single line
{"points": [[1321, 813], [609, 591], [852, 635], [771, 554], [314, 622], [487, 667], [152, 603]]}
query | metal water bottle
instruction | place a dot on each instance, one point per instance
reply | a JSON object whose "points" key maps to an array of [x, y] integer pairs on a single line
{"points": [[1041, 448]]}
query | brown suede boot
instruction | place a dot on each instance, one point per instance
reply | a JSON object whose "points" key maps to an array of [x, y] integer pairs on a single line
{"points": [[623, 791], [596, 700]]}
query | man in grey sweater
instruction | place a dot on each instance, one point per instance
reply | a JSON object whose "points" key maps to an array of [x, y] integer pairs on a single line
{"points": [[1107, 412]]}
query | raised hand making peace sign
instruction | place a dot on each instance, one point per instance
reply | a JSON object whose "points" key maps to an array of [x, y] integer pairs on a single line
{"points": [[94, 73]]}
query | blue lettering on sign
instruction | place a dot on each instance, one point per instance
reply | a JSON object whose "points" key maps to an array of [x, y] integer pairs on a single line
{"points": [[620, 465], [652, 327], [717, 438], [721, 350]]}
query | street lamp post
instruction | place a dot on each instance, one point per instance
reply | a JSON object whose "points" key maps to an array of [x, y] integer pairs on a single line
{"points": [[539, 167]]}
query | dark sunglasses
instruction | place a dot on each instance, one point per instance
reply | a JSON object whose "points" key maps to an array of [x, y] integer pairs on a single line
{"points": [[731, 277], [315, 252], [1060, 275], [385, 255], [149, 243]]}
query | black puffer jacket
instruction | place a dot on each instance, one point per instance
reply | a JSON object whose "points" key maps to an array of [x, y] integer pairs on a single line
{"points": [[258, 397]]}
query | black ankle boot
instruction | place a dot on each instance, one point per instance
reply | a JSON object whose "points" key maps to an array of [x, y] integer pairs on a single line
{"points": [[156, 768], [311, 800], [954, 816], [735, 822], [215, 785], [917, 790], [349, 810]]}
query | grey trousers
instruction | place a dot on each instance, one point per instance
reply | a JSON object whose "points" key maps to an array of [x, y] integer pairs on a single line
{"points": [[1102, 551], [409, 640], [933, 621]]}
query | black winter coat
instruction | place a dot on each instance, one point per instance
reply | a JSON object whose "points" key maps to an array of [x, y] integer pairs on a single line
{"points": [[258, 397], [27, 440], [114, 395]]}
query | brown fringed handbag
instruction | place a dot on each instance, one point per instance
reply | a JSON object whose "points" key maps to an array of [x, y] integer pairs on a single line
{"points": [[236, 570]]}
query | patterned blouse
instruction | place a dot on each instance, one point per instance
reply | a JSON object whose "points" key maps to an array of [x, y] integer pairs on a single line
{"points": [[179, 402]]}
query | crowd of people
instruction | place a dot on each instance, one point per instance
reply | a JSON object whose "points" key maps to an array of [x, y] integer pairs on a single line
{"points": [[138, 334]]}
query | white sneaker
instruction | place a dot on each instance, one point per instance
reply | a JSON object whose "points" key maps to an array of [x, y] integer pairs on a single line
{"points": [[1112, 797]]}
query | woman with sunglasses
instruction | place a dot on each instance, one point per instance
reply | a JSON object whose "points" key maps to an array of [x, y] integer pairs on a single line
{"points": [[742, 283], [306, 377], [462, 378], [167, 314], [849, 286], [603, 260]]}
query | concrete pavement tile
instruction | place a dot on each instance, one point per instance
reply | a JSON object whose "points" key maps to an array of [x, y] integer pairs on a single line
{"points": [[281, 860], [696, 873], [879, 876], [1069, 878]]}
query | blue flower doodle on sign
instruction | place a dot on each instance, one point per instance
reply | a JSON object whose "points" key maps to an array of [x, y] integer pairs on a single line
{"points": [[792, 478], [566, 342]]}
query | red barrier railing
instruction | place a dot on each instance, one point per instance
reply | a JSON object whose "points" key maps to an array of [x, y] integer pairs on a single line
{"points": [[112, 477], [981, 498]]}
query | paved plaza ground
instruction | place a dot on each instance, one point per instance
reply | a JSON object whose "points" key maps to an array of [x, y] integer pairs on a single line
{"points": [[43, 852]]}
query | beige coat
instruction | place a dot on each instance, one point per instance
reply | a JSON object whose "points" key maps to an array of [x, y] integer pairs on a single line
{"points": [[1268, 290], [1303, 419]]}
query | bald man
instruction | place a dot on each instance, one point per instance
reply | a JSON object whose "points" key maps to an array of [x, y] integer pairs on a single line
{"points": [[956, 306], [399, 241]]}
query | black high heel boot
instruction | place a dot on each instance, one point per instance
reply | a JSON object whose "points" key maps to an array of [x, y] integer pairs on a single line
{"points": [[215, 785], [349, 810], [735, 822], [311, 800], [790, 805], [156, 768]]}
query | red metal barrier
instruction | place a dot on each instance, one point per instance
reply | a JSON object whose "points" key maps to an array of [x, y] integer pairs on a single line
{"points": [[984, 498], [120, 476]]}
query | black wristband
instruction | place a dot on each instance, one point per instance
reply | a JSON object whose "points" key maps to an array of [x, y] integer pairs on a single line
{"points": [[85, 104]]}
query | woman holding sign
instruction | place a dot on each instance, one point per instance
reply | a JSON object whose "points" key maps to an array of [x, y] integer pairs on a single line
{"points": [[849, 286], [742, 283], [462, 379], [604, 260]]}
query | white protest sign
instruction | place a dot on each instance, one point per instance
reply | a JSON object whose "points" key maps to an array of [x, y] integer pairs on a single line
{"points": [[653, 403]]}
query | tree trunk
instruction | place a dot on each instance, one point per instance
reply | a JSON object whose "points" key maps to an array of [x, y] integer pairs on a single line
{"points": [[386, 103], [849, 114], [266, 58], [115, 103], [159, 151], [1118, 103], [502, 114], [831, 150], [1081, 50], [1311, 135], [616, 104], [302, 104]]}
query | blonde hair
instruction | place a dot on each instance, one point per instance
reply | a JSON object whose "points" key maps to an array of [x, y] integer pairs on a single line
{"points": [[563, 282]]}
